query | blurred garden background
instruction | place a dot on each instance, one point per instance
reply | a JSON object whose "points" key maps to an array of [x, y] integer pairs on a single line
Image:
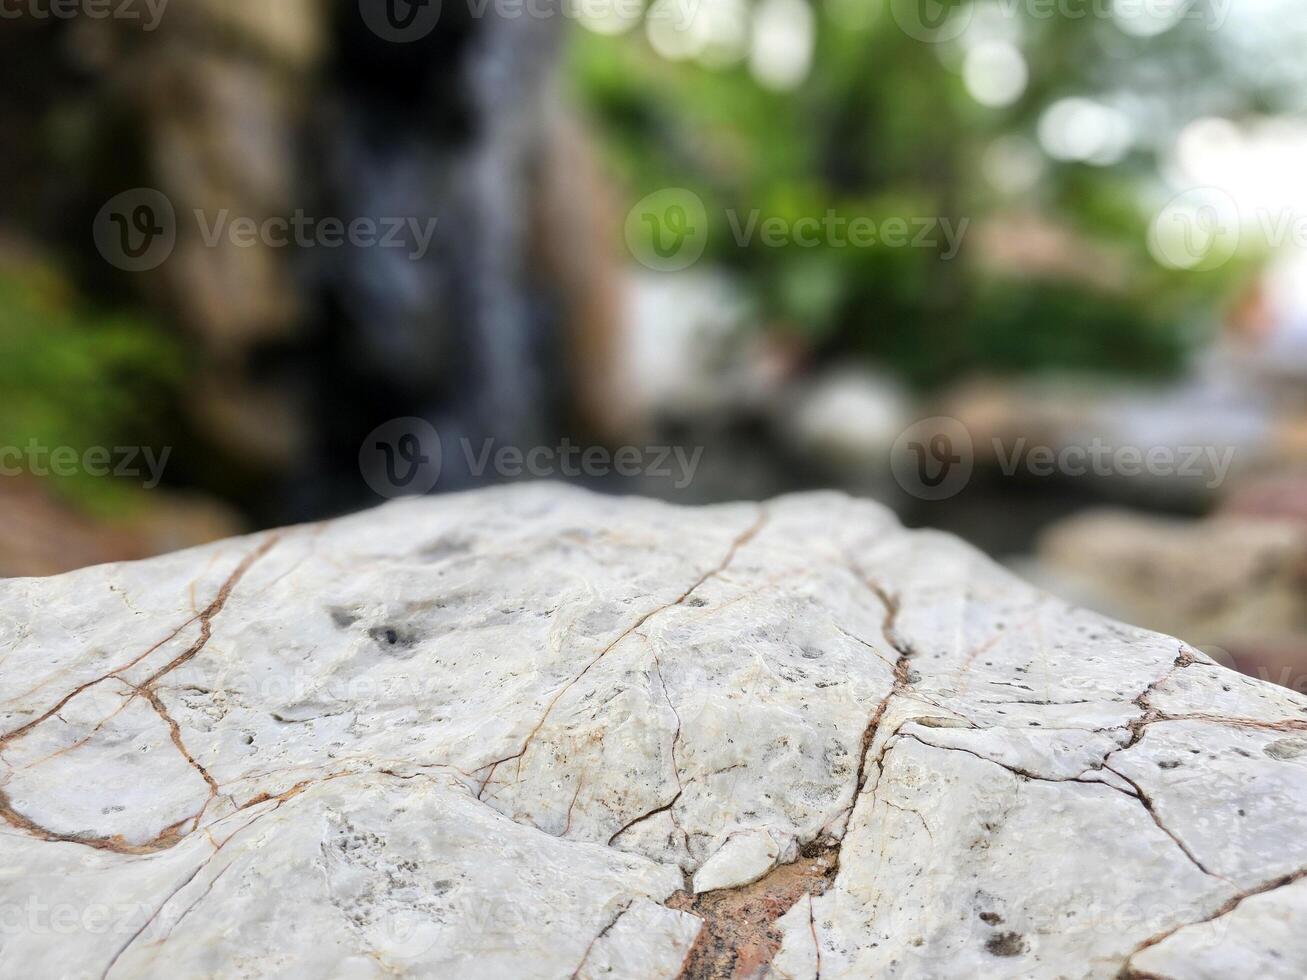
{"points": [[1085, 231]]}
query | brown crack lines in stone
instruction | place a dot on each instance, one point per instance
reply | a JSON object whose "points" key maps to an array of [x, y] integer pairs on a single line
{"points": [[665, 808], [82, 687], [1144, 700], [171, 834], [739, 937], [868, 737], [1282, 725], [917, 813], [207, 614], [1147, 803], [54, 711], [859, 640], [1055, 704], [186, 881], [676, 738], [204, 616], [816, 945], [297, 789], [1138, 795], [191, 908], [117, 844], [1020, 771], [1127, 972], [175, 732], [890, 621], [751, 593], [739, 542], [364, 760], [1139, 726], [598, 936], [676, 735], [122, 706], [902, 678], [572, 806], [113, 961]]}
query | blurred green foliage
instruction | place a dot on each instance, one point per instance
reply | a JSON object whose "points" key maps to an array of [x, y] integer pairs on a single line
{"points": [[884, 127], [76, 378]]}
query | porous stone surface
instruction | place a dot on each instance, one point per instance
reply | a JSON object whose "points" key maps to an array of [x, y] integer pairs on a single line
{"points": [[533, 732]]}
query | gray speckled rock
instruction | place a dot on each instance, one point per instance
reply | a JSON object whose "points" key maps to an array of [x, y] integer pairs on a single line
{"points": [[537, 733]]}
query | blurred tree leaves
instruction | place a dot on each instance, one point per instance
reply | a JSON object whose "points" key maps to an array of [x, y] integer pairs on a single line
{"points": [[76, 378], [884, 127]]}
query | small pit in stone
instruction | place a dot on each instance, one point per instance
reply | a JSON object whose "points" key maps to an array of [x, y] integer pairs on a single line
{"points": [[342, 618], [392, 637], [1286, 748], [1006, 944], [442, 548]]}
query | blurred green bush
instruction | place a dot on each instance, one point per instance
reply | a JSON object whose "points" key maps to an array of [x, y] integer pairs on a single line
{"points": [[75, 377], [882, 128]]}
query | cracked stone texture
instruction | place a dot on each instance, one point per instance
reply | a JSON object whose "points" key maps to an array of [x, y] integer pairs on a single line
{"points": [[532, 732]]}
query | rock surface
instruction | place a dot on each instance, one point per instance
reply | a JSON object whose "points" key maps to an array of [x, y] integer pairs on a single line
{"points": [[537, 733], [1233, 585]]}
